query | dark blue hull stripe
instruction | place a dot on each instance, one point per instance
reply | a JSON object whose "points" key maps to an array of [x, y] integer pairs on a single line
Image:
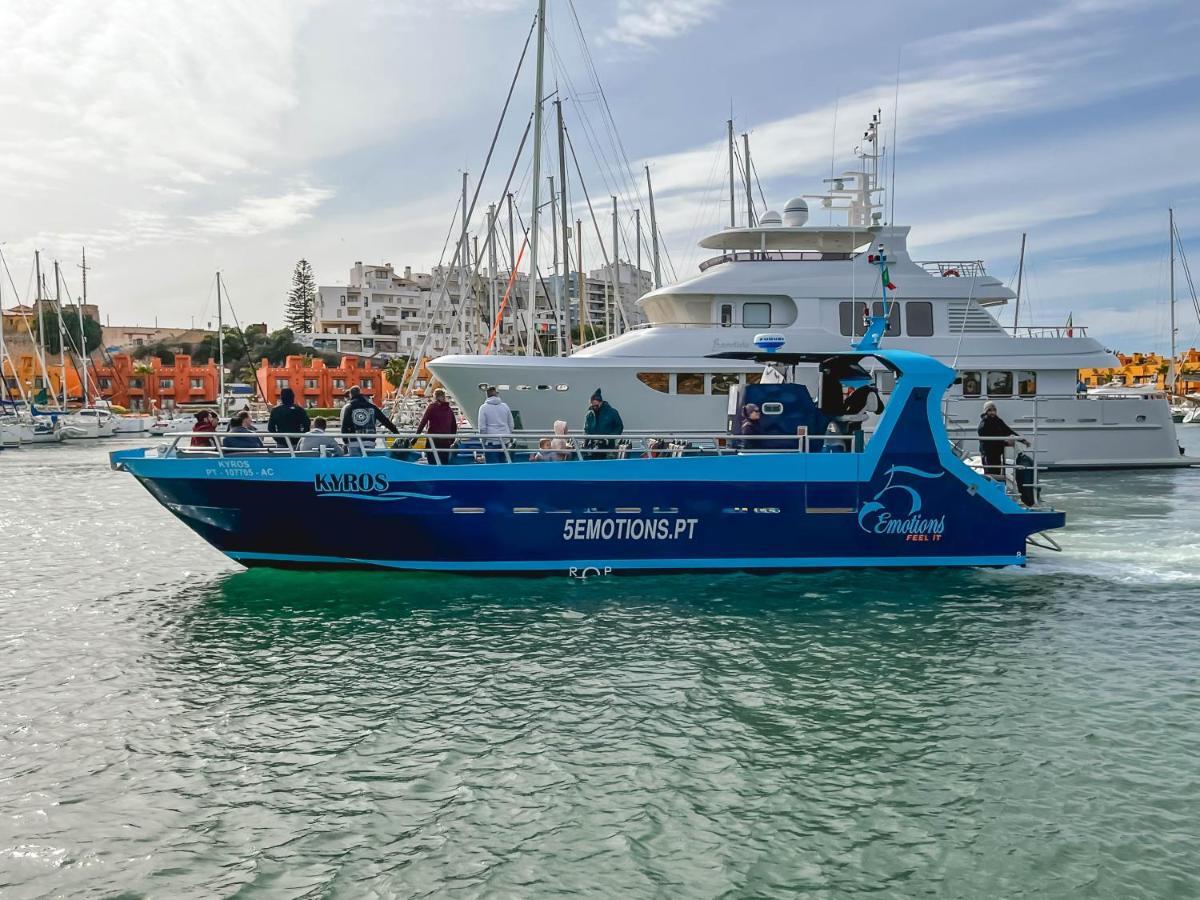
{"points": [[617, 565]]}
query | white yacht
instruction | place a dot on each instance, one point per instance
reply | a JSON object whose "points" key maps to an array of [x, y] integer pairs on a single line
{"points": [[813, 284]]}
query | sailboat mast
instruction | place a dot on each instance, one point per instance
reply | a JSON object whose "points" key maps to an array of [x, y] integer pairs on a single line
{"points": [[62, 333], [83, 355], [1171, 238], [566, 232], [637, 230], [749, 190], [653, 232], [220, 354], [580, 283], [1020, 276], [732, 201], [557, 280], [618, 313], [531, 305]]}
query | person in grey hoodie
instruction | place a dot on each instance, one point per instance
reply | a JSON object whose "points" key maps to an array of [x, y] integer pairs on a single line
{"points": [[494, 418]]}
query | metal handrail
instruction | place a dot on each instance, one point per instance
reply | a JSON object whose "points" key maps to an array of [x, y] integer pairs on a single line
{"points": [[642, 444], [1047, 331]]}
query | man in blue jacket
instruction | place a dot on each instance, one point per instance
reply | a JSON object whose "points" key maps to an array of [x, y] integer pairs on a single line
{"points": [[601, 419]]}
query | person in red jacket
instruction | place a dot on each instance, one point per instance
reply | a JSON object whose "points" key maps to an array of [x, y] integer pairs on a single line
{"points": [[205, 421], [439, 419]]}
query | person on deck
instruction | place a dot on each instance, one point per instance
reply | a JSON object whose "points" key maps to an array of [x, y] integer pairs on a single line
{"points": [[560, 443], [244, 435], [601, 419], [495, 418], [287, 417], [993, 427], [206, 421], [318, 440], [361, 416], [751, 426], [439, 419]]}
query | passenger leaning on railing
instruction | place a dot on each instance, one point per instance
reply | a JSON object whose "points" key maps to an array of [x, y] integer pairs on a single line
{"points": [[439, 419], [601, 419], [993, 427]]}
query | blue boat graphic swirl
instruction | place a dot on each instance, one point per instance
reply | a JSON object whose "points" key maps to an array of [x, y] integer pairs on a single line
{"points": [[875, 517], [390, 495]]}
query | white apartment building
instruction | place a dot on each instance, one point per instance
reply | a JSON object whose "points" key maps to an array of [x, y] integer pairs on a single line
{"points": [[381, 314]]}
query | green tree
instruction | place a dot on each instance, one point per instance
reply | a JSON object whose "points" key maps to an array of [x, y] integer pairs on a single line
{"points": [[93, 333], [301, 299]]}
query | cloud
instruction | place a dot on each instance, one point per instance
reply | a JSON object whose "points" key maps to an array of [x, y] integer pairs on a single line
{"points": [[259, 215], [639, 22]]}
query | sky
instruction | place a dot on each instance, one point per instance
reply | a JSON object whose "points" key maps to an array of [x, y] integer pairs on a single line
{"points": [[173, 138]]}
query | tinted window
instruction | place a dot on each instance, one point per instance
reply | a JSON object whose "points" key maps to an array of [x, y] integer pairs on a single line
{"points": [[893, 326], [971, 384], [659, 381], [851, 316], [723, 382], [689, 383], [1027, 384], [999, 384], [726, 315], [919, 315], [756, 314]]}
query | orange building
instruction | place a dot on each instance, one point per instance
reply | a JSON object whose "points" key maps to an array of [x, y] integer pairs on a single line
{"points": [[145, 384], [1149, 368], [316, 384]]}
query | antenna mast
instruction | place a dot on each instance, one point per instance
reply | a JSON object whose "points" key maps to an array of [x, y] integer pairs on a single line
{"points": [[220, 355], [653, 232], [1171, 236], [749, 190], [1020, 275], [732, 200]]}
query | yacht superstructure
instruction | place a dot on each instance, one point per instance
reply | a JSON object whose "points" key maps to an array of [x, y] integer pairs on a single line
{"points": [[816, 285]]}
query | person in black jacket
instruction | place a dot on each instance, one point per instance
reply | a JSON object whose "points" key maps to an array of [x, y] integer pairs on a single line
{"points": [[361, 416], [992, 451], [287, 417]]}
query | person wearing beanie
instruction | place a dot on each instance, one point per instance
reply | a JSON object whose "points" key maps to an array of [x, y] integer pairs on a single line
{"points": [[287, 417], [993, 427], [601, 419]]}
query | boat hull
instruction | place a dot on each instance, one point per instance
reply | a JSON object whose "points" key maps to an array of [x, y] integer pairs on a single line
{"points": [[912, 504]]}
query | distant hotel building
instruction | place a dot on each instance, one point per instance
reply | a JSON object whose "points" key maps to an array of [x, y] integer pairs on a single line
{"points": [[381, 314]]}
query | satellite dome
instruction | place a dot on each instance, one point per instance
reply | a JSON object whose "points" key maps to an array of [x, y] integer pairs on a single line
{"points": [[771, 217], [795, 213], [769, 342]]}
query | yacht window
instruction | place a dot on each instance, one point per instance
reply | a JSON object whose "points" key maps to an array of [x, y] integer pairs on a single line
{"points": [[755, 315], [919, 318], [893, 325], [689, 383], [726, 315], [659, 381], [999, 384], [851, 315], [1027, 384], [723, 382], [971, 383]]}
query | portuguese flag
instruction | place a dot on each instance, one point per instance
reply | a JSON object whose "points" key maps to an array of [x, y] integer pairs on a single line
{"points": [[883, 273]]}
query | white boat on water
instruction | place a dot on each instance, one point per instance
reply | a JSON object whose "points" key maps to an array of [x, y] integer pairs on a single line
{"points": [[813, 284]]}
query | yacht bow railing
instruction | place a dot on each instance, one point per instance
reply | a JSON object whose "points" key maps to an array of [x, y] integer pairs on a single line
{"points": [[1047, 331], [953, 268]]}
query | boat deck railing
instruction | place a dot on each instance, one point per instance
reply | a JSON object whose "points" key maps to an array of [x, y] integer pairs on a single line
{"points": [[525, 446]]}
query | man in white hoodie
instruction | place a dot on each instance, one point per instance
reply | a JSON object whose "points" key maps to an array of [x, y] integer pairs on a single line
{"points": [[495, 418]]}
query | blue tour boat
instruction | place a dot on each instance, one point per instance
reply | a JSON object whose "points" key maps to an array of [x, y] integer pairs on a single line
{"points": [[808, 499]]}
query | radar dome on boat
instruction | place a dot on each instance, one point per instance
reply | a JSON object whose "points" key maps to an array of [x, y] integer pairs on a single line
{"points": [[795, 213], [769, 343], [771, 217]]}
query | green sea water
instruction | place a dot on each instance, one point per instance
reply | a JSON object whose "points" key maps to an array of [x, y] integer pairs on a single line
{"points": [[172, 726]]}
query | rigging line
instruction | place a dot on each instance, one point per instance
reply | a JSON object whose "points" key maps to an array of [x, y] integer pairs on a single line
{"points": [[444, 293], [596, 225], [895, 126], [615, 132], [258, 388], [1187, 272], [37, 352]]}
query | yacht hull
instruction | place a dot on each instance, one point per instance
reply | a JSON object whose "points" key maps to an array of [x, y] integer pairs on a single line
{"points": [[1071, 432]]}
